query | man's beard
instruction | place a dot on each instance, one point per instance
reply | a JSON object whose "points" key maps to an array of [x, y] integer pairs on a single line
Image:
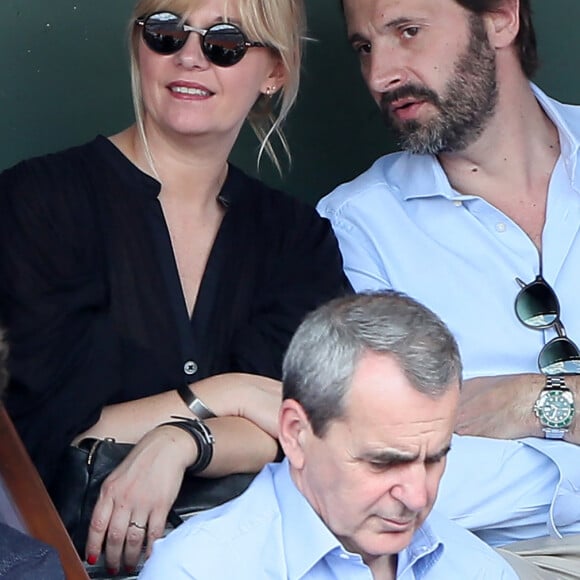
{"points": [[468, 103]]}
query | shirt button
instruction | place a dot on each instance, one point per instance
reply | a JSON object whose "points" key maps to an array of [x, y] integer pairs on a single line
{"points": [[500, 227], [457, 203], [190, 368]]}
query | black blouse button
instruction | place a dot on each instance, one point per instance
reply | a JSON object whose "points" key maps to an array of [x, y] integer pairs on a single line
{"points": [[190, 367]]}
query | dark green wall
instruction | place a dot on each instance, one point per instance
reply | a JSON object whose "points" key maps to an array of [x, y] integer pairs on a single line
{"points": [[65, 79]]}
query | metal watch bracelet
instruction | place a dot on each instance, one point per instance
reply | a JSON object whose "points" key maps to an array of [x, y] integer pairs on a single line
{"points": [[554, 407]]}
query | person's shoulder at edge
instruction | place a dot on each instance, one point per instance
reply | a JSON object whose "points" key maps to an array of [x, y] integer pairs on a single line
{"points": [[26, 558], [463, 551], [227, 539]]}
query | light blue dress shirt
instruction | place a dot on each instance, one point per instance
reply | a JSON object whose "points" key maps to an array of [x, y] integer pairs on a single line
{"points": [[272, 533], [401, 225]]}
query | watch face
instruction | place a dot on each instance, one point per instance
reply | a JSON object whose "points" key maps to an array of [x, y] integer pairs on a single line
{"points": [[555, 408]]}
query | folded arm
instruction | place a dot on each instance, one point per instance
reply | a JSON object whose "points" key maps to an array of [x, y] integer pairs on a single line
{"points": [[252, 397], [502, 407], [244, 429]]}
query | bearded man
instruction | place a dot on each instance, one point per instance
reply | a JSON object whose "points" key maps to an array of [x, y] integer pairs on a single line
{"points": [[479, 219]]}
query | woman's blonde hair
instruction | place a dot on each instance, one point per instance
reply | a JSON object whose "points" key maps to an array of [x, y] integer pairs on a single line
{"points": [[279, 24]]}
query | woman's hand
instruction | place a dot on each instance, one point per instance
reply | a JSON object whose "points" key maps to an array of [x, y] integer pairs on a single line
{"points": [[135, 499], [259, 401]]}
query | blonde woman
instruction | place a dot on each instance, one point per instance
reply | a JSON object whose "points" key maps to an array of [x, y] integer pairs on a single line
{"points": [[143, 276]]}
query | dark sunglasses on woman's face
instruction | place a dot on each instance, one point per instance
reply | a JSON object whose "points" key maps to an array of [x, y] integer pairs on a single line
{"points": [[223, 44], [537, 306]]}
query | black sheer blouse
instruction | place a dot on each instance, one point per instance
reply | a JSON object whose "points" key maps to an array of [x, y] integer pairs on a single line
{"points": [[91, 298]]}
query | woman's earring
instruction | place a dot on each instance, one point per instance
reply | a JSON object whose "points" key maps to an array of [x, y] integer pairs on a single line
{"points": [[270, 91]]}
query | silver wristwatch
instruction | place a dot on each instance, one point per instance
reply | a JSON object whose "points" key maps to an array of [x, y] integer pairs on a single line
{"points": [[554, 407]]}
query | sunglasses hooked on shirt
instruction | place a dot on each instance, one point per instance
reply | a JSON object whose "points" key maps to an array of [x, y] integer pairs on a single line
{"points": [[537, 307]]}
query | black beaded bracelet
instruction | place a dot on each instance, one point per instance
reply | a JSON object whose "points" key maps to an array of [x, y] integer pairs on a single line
{"points": [[203, 438]]}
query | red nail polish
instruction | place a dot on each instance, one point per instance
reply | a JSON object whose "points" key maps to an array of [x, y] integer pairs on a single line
{"points": [[112, 571], [130, 570], [92, 559]]}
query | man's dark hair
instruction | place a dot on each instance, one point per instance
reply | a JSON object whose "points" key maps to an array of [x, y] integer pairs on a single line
{"points": [[526, 38]]}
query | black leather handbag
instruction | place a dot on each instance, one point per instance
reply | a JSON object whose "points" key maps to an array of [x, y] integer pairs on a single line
{"points": [[86, 466]]}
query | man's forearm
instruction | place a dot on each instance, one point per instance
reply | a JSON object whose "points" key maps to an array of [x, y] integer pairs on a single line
{"points": [[502, 407]]}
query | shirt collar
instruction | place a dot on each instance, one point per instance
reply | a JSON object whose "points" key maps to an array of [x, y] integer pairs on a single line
{"points": [[419, 176], [306, 538], [315, 541], [422, 553], [568, 129], [416, 176]]}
